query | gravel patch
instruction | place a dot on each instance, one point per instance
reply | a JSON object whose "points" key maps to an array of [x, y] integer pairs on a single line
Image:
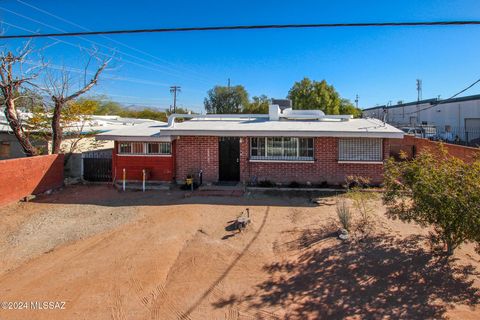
{"points": [[60, 224]]}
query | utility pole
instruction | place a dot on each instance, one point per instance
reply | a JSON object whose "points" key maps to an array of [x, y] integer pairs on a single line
{"points": [[174, 90], [419, 89], [356, 101], [228, 83]]}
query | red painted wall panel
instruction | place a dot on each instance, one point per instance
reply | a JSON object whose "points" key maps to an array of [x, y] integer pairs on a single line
{"points": [[160, 168], [24, 176]]}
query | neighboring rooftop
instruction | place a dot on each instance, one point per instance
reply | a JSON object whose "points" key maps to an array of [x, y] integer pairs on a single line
{"points": [[94, 123], [426, 101], [147, 131]]}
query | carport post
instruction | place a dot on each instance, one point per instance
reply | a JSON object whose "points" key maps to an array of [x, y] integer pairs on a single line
{"points": [[143, 185], [124, 179]]}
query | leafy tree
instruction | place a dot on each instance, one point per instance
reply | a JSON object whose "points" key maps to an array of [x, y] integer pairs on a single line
{"points": [[439, 191], [74, 119], [346, 107], [319, 95], [226, 99], [180, 110], [257, 105], [147, 113], [108, 107]]}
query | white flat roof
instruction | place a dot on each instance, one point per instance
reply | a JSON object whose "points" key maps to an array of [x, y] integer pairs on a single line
{"points": [[148, 131], [369, 127]]}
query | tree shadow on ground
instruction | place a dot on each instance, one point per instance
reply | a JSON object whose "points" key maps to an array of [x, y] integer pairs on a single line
{"points": [[379, 277]]}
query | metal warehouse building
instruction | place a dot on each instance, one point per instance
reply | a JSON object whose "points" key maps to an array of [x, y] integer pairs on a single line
{"points": [[458, 117]]}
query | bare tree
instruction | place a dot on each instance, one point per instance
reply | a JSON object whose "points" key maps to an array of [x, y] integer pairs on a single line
{"points": [[10, 86], [58, 88]]}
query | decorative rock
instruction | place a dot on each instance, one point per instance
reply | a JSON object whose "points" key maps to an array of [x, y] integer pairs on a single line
{"points": [[29, 198], [343, 234]]}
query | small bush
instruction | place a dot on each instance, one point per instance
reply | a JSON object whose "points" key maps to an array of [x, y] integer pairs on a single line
{"points": [[323, 184], [344, 214], [266, 184], [294, 184], [362, 204], [357, 182]]}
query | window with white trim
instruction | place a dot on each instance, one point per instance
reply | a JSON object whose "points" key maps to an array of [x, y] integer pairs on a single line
{"points": [[281, 148], [144, 148], [360, 149]]}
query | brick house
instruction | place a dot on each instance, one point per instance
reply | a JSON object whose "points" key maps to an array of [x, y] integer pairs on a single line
{"points": [[283, 146]]}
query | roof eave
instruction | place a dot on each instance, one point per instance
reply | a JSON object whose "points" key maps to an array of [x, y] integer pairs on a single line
{"points": [[262, 133], [134, 138]]}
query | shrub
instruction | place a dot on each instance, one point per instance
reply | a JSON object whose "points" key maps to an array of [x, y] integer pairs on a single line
{"points": [[439, 191], [344, 214], [294, 184], [357, 182], [362, 204], [266, 184]]}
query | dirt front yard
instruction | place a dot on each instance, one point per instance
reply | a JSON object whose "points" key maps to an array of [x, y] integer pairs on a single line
{"points": [[158, 255]]}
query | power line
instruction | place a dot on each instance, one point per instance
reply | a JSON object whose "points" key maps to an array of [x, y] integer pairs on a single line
{"points": [[446, 100], [250, 27], [199, 75], [100, 45]]}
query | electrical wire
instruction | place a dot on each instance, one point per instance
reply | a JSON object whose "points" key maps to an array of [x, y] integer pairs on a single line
{"points": [[175, 74], [445, 100], [249, 27], [175, 66]]}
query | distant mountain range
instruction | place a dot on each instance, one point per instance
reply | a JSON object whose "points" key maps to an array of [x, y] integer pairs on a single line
{"points": [[138, 107]]}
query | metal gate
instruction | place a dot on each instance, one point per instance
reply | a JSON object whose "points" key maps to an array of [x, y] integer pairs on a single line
{"points": [[97, 165]]}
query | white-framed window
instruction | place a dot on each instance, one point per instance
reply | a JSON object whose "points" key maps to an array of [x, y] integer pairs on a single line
{"points": [[281, 148], [144, 148], [360, 149]]}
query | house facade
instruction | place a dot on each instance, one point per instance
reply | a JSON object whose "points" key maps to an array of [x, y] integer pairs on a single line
{"points": [[281, 147]]}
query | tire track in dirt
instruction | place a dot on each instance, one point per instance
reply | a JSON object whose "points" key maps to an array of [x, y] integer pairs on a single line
{"points": [[162, 305], [117, 312], [217, 282], [159, 313], [157, 300], [241, 310]]}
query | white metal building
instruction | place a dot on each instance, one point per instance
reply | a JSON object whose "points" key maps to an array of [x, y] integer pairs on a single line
{"points": [[460, 116]]}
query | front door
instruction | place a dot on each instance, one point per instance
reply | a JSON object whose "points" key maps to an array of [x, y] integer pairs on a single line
{"points": [[229, 159]]}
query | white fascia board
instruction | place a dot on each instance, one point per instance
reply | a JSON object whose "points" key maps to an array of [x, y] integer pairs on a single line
{"points": [[262, 133], [134, 138]]}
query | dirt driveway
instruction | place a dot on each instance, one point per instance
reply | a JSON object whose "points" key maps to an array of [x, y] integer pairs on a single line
{"points": [[158, 255]]}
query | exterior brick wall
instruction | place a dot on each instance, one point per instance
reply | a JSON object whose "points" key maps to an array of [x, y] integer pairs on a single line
{"points": [[325, 167], [24, 176], [412, 145], [194, 154], [160, 168], [201, 153]]}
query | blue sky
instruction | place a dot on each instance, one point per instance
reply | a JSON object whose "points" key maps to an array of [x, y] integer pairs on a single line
{"points": [[380, 65]]}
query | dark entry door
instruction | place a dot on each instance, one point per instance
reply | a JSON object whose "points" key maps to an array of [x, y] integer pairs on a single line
{"points": [[229, 159]]}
